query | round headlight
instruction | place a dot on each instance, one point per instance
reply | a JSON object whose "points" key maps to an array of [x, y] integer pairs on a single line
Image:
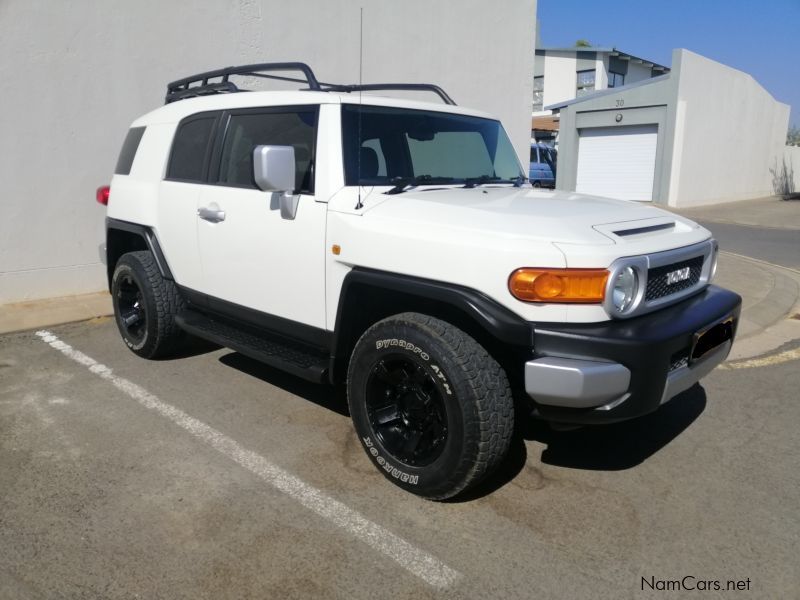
{"points": [[624, 291]]}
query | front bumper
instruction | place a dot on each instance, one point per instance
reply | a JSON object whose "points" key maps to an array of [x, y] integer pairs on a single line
{"points": [[617, 370]]}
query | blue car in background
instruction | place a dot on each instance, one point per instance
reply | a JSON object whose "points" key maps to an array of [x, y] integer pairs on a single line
{"points": [[542, 171]]}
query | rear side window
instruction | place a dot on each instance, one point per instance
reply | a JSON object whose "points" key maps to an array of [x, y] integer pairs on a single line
{"points": [[296, 127], [128, 152], [190, 149]]}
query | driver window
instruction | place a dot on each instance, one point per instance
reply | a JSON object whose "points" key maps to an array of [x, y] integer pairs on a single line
{"points": [[296, 128]]}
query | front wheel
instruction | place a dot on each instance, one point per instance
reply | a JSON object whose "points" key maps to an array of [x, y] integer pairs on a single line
{"points": [[432, 408]]}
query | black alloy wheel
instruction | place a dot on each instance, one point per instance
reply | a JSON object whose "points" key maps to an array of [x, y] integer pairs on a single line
{"points": [[432, 409], [131, 313], [145, 306], [406, 410]]}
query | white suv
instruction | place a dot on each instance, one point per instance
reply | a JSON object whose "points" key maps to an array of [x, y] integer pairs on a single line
{"points": [[394, 246]]}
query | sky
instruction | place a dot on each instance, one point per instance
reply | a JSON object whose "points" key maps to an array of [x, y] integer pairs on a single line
{"points": [[759, 37]]}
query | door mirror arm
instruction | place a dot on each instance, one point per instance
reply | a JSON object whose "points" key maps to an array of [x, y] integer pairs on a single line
{"points": [[288, 203]]}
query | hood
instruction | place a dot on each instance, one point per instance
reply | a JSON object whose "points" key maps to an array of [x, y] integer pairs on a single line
{"points": [[549, 216]]}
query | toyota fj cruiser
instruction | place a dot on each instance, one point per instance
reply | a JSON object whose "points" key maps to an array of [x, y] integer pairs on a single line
{"points": [[394, 246]]}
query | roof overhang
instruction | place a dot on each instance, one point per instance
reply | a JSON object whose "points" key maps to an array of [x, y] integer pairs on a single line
{"points": [[545, 123], [611, 52]]}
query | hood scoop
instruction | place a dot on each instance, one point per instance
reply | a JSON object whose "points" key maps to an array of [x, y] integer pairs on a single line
{"points": [[641, 228], [644, 230]]}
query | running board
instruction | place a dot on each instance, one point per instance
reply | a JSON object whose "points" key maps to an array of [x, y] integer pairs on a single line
{"points": [[281, 354]]}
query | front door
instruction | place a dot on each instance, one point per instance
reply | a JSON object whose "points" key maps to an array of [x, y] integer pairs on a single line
{"points": [[251, 256]]}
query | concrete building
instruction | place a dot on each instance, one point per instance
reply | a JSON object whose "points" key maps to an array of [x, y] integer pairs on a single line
{"points": [[561, 74], [79, 72], [700, 134]]}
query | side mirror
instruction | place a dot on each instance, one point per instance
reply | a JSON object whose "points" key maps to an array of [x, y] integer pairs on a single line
{"points": [[274, 171]]}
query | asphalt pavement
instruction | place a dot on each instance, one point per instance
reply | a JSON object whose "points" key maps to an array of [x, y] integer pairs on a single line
{"points": [[212, 476], [766, 229], [776, 246]]}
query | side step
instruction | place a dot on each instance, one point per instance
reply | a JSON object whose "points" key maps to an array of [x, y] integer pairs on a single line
{"points": [[275, 352]]}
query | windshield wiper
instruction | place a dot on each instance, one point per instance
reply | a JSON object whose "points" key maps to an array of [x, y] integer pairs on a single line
{"points": [[401, 183], [471, 182]]}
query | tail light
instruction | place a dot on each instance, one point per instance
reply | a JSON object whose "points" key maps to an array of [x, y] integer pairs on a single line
{"points": [[103, 193]]}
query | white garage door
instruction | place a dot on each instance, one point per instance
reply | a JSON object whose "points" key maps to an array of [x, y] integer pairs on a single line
{"points": [[618, 162]]}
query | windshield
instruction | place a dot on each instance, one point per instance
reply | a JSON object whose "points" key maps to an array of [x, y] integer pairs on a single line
{"points": [[430, 146]]}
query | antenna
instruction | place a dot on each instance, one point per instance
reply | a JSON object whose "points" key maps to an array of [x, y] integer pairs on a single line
{"points": [[359, 205]]}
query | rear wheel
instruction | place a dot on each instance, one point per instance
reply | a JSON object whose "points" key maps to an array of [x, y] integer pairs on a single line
{"points": [[537, 184], [432, 409], [145, 305]]}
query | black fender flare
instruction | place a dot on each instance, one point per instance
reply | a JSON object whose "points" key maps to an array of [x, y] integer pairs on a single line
{"points": [[498, 321], [151, 241]]}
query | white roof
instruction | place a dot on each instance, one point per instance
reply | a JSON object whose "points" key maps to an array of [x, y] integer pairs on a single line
{"points": [[175, 111]]}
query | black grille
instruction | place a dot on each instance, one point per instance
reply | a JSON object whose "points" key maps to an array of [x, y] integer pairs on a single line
{"points": [[657, 286]]}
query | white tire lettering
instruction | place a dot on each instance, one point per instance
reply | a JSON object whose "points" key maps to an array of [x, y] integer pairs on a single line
{"points": [[405, 345], [386, 466]]}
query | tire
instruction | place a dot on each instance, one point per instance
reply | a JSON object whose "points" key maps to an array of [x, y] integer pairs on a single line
{"points": [[145, 305], [537, 184], [432, 409]]}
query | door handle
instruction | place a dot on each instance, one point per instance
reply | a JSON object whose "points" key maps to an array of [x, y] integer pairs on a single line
{"points": [[212, 215]]}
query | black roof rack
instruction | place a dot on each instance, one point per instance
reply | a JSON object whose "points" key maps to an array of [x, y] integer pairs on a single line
{"points": [[368, 87], [184, 88]]}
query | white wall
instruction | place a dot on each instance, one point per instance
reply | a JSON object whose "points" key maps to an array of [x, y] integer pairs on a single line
{"points": [[790, 165], [77, 73], [637, 72], [559, 77], [731, 133], [601, 72]]}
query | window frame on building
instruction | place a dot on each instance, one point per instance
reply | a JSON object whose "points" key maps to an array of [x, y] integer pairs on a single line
{"points": [[538, 104], [582, 90], [616, 79]]}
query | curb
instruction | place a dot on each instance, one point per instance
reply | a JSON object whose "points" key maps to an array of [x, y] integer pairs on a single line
{"points": [[770, 321], [34, 314], [780, 301]]}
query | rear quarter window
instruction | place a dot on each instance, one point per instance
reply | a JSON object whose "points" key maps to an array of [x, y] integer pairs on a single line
{"points": [[128, 152]]}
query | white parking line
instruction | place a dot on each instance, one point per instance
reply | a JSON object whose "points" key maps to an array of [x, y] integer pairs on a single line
{"points": [[417, 561]]}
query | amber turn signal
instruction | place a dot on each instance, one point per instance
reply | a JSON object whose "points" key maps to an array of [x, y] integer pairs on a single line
{"points": [[586, 286]]}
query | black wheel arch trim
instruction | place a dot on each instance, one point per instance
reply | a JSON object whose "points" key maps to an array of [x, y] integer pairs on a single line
{"points": [[498, 321], [149, 236]]}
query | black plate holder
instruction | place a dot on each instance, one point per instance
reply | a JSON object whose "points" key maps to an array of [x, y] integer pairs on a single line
{"points": [[711, 337]]}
